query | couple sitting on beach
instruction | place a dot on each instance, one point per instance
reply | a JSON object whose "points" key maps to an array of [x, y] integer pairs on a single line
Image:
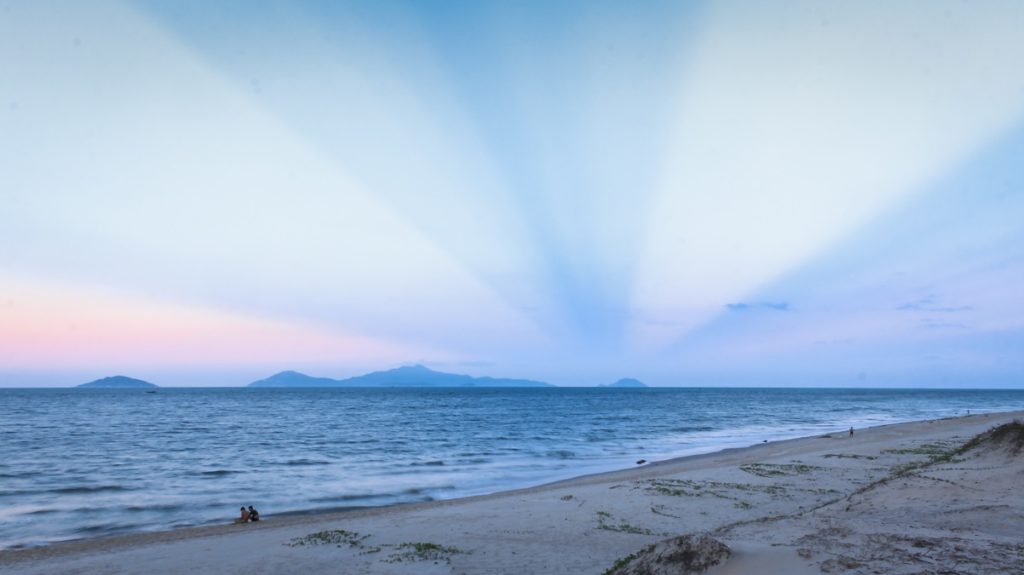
{"points": [[249, 514]]}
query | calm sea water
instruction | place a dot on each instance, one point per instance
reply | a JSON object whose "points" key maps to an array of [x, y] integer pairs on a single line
{"points": [[80, 463]]}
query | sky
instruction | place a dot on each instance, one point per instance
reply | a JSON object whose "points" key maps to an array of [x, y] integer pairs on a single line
{"points": [[718, 193]]}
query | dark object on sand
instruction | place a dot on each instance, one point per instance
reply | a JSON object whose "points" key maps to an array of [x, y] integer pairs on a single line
{"points": [[684, 555], [641, 461]]}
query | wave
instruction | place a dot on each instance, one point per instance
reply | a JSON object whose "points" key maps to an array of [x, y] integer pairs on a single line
{"points": [[218, 472], [105, 529], [306, 462], [150, 508], [88, 489]]}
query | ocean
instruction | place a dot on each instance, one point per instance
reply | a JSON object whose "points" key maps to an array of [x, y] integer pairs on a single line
{"points": [[78, 463]]}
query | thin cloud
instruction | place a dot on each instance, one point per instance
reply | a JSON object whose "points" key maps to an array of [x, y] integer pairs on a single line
{"points": [[765, 305], [932, 305], [932, 323]]}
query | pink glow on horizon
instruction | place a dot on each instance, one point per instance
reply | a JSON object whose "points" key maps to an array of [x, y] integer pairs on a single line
{"points": [[65, 328]]}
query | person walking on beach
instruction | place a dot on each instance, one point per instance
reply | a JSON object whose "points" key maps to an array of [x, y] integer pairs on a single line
{"points": [[245, 516]]}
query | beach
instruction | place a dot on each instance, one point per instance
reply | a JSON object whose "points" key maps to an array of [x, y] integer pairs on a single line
{"points": [[901, 498]]}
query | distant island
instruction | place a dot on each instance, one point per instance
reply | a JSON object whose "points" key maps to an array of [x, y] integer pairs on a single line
{"points": [[408, 376], [294, 379], [627, 382], [119, 382]]}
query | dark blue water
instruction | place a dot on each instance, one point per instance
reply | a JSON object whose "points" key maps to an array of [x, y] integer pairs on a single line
{"points": [[83, 463]]}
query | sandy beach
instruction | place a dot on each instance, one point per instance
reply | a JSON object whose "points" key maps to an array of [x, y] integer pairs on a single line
{"points": [[904, 498]]}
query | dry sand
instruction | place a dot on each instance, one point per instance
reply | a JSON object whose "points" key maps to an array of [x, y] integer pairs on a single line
{"points": [[891, 499]]}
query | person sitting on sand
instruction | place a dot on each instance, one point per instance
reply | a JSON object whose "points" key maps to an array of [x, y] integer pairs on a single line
{"points": [[245, 516], [253, 514]]}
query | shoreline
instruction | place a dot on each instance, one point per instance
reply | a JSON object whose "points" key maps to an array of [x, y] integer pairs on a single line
{"points": [[660, 498], [743, 439], [197, 457], [303, 516]]}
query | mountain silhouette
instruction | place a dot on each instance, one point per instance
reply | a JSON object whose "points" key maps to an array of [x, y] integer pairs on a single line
{"points": [[406, 376]]}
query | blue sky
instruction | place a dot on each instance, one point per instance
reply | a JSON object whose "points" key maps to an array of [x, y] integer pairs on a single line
{"points": [[722, 193]]}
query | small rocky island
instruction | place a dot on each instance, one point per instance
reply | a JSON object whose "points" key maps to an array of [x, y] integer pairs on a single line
{"points": [[119, 382], [627, 382]]}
